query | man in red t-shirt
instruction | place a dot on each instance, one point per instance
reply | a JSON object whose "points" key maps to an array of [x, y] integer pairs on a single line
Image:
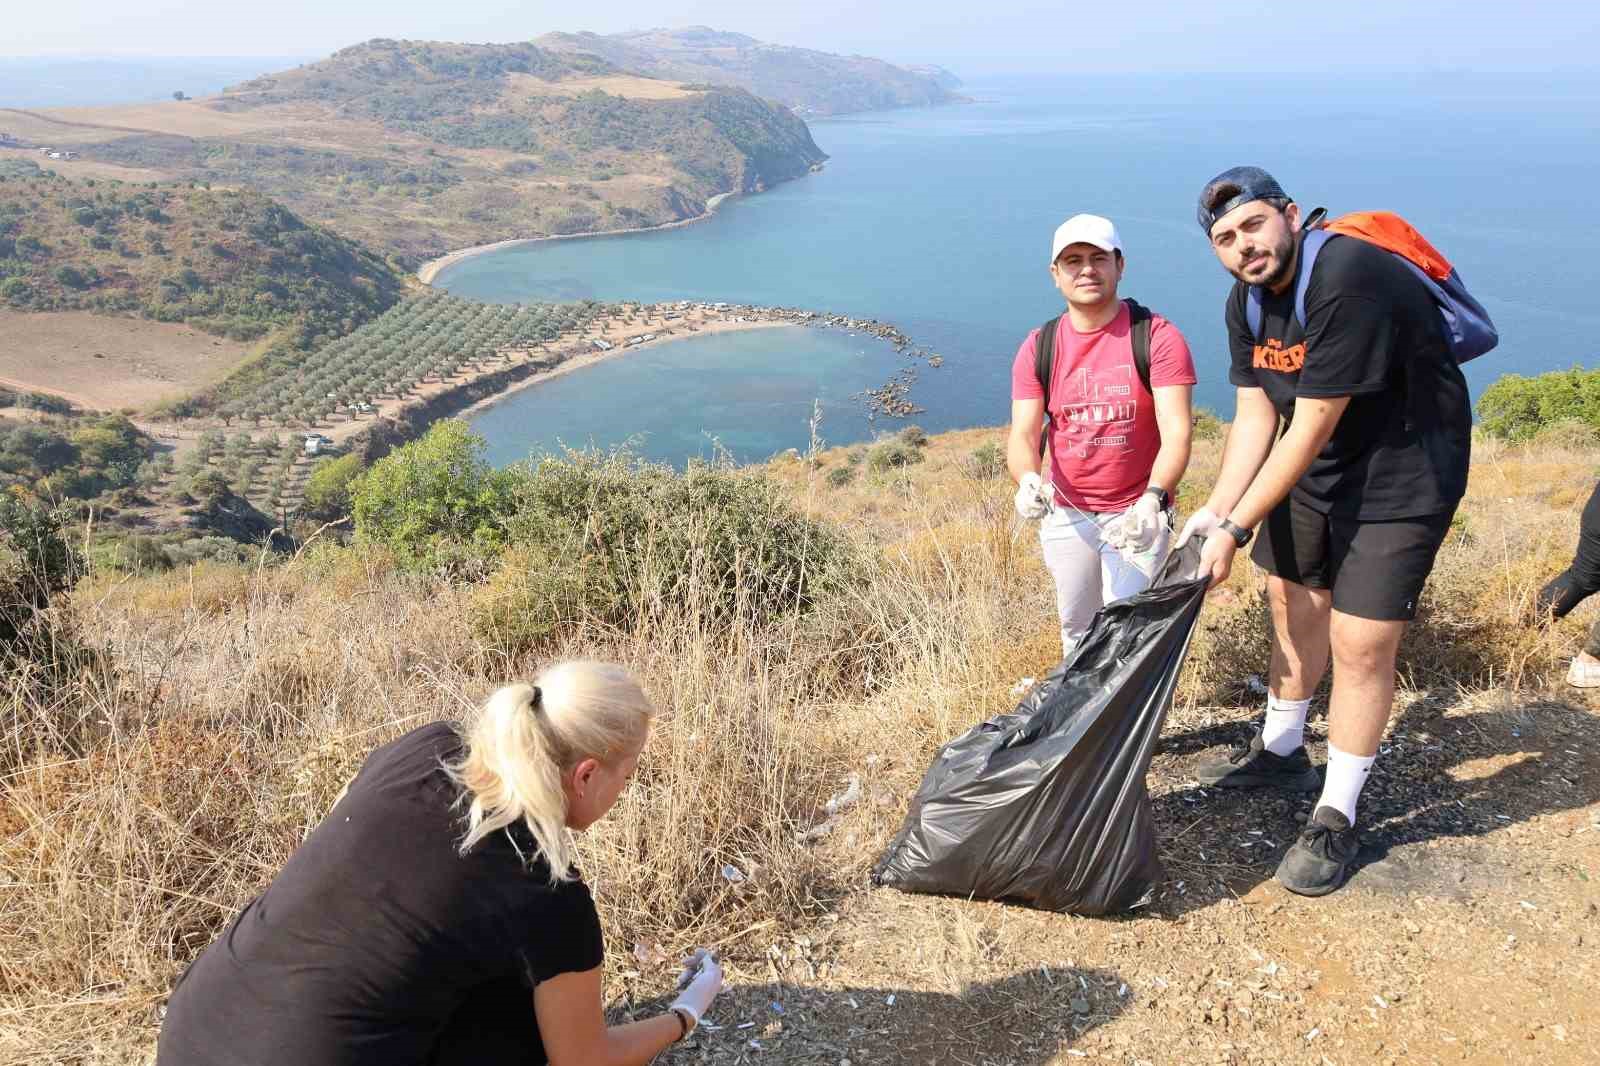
{"points": [[1117, 448]]}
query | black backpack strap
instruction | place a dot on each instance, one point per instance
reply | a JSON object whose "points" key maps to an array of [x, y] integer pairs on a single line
{"points": [[1044, 361], [1139, 337]]}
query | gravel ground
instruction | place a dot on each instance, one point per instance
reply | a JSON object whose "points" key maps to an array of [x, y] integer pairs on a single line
{"points": [[1467, 934]]}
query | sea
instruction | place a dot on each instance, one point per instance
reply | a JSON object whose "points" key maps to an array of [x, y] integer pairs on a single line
{"points": [[938, 220]]}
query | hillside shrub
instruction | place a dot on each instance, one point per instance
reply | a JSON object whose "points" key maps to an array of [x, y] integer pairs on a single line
{"points": [[1517, 407], [986, 461], [612, 540], [892, 453], [840, 476], [327, 496], [36, 563], [1207, 426], [436, 501]]}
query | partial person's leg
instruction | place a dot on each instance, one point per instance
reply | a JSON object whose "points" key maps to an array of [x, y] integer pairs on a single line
{"points": [[1291, 547], [1379, 569], [1299, 659], [1582, 579], [1070, 543]]}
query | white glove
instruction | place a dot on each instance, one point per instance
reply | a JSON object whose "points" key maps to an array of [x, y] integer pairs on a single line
{"points": [[1201, 523], [1135, 530], [1030, 499], [699, 983]]}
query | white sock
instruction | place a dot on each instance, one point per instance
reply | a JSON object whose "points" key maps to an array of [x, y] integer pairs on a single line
{"points": [[1343, 780], [1285, 728]]}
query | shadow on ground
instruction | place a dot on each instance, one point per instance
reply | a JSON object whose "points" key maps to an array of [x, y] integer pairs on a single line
{"points": [[1447, 776], [1024, 1020]]}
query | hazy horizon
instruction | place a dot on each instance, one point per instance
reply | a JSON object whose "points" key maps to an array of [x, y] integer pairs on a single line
{"points": [[1426, 36]]}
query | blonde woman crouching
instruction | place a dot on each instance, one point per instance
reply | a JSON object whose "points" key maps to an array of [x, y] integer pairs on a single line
{"points": [[435, 916]]}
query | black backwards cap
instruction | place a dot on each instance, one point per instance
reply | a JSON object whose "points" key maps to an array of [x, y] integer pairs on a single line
{"points": [[1253, 184]]}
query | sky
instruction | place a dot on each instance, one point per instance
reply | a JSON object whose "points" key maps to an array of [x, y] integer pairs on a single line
{"points": [[1009, 36]]}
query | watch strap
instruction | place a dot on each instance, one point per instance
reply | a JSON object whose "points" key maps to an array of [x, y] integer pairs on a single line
{"points": [[686, 1021], [1163, 497], [1240, 535]]}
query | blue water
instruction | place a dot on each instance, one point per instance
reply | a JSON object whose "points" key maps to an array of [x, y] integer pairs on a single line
{"points": [[939, 220]]}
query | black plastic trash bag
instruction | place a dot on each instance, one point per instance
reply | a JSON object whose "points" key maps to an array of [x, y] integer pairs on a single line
{"points": [[1047, 805]]}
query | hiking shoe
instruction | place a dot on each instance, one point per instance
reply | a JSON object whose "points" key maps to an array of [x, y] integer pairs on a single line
{"points": [[1318, 862], [1253, 766], [1584, 672]]}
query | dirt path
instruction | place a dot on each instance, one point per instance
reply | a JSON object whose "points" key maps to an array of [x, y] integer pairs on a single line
{"points": [[38, 117], [1468, 935]]}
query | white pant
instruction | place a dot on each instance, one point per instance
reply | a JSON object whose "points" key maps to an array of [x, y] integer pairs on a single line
{"points": [[1089, 573]]}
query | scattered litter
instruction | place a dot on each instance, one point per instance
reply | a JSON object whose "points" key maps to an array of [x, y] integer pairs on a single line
{"points": [[1256, 686], [732, 874], [1525, 905], [1380, 1001], [1022, 686], [853, 1004], [1122, 990], [835, 806], [889, 1002], [755, 1045], [777, 1008], [1315, 1032], [846, 799], [745, 1025], [712, 1026], [873, 760]]}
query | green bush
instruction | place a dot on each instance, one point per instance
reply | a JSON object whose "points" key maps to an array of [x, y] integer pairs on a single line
{"points": [[615, 541], [435, 500], [36, 563], [986, 461], [1207, 426], [912, 435], [892, 453], [327, 495], [1517, 407], [840, 476], [1568, 433]]}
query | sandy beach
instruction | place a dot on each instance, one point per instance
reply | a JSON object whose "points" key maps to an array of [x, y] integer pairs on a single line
{"points": [[696, 324], [430, 270]]}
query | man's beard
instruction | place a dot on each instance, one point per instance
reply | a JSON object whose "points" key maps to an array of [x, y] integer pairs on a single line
{"points": [[1285, 269]]}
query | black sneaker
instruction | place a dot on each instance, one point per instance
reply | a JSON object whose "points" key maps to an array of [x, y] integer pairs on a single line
{"points": [[1317, 863], [1253, 766]]}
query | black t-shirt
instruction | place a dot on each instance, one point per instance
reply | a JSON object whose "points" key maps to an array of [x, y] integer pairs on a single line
{"points": [[377, 932], [1372, 333]]}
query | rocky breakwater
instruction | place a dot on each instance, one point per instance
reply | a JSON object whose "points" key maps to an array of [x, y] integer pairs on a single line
{"points": [[892, 399]]}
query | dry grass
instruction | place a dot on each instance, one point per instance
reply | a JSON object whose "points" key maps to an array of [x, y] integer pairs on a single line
{"points": [[108, 363], [238, 701]]}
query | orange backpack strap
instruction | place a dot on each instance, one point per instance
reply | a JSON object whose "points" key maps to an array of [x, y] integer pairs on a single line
{"points": [[1394, 234]]}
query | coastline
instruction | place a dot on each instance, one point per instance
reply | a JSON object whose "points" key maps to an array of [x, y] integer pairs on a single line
{"points": [[430, 270], [586, 359]]}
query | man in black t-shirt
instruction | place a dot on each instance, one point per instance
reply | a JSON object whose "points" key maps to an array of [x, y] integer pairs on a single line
{"points": [[1354, 496]]}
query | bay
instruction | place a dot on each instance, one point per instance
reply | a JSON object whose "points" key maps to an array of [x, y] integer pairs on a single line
{"points": [[939, 221]]}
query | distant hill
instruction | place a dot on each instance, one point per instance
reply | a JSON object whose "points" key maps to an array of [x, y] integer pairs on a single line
{"points": [[230, 262], [419, 147], [810, 82]]}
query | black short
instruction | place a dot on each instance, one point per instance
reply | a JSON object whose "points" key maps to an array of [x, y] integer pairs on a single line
{"points": [[1375, 569]]}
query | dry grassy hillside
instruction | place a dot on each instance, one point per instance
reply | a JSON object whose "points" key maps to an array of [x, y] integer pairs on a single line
{"points": [[146, 797]]}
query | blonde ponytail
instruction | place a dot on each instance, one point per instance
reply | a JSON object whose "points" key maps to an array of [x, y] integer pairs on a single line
{"points": [[524, 736]]}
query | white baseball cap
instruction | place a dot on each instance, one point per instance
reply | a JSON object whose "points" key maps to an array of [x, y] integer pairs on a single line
{"points": [[1085, 229]]}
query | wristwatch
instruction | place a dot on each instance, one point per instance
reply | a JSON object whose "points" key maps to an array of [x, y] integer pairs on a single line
{"points": [[686, 1022], [1240, 536], [1163, 497]]}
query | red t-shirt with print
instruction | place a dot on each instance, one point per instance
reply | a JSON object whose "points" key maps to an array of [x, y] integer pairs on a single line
{"points": [[1103, 437]]}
